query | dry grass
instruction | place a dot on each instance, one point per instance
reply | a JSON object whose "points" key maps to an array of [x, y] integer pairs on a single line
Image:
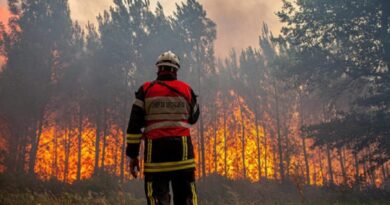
{"points": [[213, 190]]}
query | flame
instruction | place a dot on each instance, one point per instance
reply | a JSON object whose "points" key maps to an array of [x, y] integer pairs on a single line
{"points": [[255, 158], [4, 16], [240, 120], [58, 153], [268, 167]]}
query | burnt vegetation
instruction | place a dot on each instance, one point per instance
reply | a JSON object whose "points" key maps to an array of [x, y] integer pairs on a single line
{"points": [[304, 115]]}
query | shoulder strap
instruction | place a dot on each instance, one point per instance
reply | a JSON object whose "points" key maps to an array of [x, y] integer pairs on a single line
{"points": [[150, 86], [169, 87]]}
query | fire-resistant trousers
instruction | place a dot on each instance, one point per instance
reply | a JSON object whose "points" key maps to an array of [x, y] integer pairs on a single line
{"points": [[183, 188]]}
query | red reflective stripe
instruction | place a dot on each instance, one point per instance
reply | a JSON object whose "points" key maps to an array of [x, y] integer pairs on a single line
{"points": [[166, 124], [168, 132]]}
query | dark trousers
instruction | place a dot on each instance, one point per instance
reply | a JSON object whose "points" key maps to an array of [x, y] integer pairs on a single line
{"points": [[183, 188]]}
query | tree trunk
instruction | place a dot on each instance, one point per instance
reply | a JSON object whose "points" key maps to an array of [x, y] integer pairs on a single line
{"points": [[279, 137], [35, 146], [342, 165], [258, 145], [265, 154], [97, 144], [275, 163], [330, 168], [104, 138], [371, 170], [123, 153], [79, 141], [55, 154], [306, 160], [224, 143], [287, 155], [202, 148], [365, 169], [357, 178], [201, 126], [307, 166], [321, 166], [215, 141], [23, 158], [66, 153], [383, 172], [243, 143], [116, 150], [20, 167], [123, 141]]}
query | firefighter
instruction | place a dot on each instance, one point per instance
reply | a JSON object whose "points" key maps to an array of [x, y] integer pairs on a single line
{"points": [[162, 115]]}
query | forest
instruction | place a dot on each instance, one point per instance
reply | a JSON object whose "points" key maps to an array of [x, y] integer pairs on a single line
{"points": [[301, 118]]}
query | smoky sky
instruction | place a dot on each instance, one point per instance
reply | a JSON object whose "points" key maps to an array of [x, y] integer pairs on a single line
{"points": [[4, 14], [238, 22]]}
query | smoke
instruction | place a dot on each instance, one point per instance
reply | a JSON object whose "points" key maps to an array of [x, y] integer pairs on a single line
{"points": [[87, 10], [239, 23]]}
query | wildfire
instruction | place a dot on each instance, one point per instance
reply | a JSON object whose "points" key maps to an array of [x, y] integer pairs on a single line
{"points": [[4, 16], [237, 145], [58, 153]]}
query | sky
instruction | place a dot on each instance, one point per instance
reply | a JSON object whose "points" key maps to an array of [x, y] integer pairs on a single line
{"points": [[238, 23]]}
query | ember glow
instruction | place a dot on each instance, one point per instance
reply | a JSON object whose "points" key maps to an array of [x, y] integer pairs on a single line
{"points": [[4, 16], [58, 151], [252, 157], [59, 148], [67, 108]]}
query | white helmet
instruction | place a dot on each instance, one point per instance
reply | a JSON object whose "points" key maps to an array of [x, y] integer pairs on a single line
{"points": [[168, 58]]}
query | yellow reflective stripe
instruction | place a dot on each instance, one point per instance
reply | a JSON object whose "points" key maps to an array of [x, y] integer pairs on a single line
{"points": [[167, 117], [133, 141], [185, 148], [194, 196], [134, 136], [167, 169], [139, 103], [167, 124], [169, 166], [149, 187], [166, 164], [149, 151]]}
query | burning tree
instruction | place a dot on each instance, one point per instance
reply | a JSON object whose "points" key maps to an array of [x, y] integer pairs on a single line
{"points": [[66, 92]]}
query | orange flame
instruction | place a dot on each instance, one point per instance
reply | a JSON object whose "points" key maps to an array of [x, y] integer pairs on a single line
{"points": [[253, 157]]}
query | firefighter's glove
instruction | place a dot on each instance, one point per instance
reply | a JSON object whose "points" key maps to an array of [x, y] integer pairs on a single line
{"points": [[134, 167]]}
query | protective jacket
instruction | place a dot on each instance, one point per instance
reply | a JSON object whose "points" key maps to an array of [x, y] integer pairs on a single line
{"points": [[165, 109]]}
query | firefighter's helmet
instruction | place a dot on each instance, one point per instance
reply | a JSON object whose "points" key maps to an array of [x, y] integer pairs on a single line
{"points": [[168, 59]]}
